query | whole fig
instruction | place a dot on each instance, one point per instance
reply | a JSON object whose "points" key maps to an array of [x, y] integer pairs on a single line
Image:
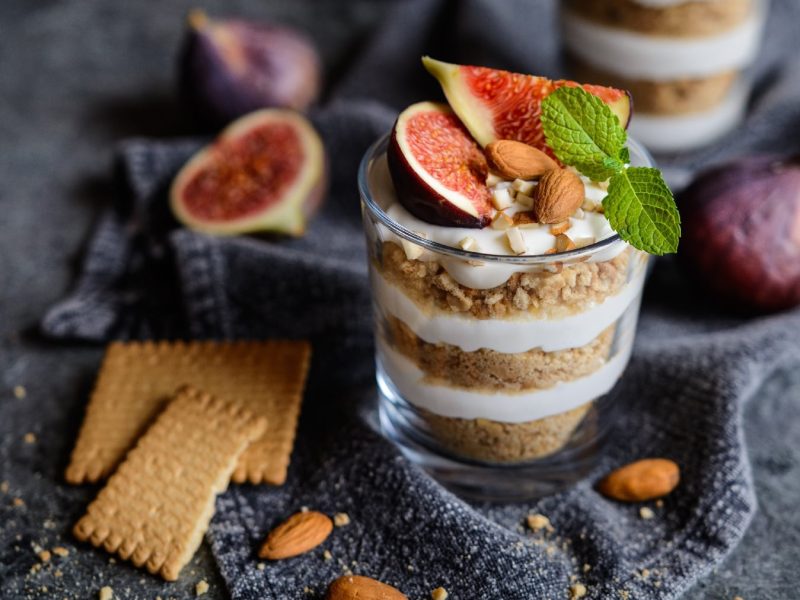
{"points": [[742, 232], [228, 68]]}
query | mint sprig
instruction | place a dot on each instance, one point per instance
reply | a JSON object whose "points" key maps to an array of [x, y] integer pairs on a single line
{"points": [[584, 133], [637, 210]]}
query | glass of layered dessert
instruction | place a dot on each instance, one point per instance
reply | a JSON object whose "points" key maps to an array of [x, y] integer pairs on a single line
{"points": [[505, 304], [682, 60]]}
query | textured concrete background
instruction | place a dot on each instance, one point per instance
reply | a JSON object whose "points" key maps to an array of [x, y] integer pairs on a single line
{"points": [[74, 78]]}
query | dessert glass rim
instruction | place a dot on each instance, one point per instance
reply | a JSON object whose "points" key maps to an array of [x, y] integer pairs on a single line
{"points": [[639, 157]]}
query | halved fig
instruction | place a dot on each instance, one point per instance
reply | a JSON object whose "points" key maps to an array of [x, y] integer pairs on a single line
{"points": [[501, 105], [265, 172], [438, 170]]}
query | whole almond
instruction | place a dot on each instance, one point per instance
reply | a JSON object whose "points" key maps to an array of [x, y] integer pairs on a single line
{"points": [[358, 587], [298, 534], [559, 194], [642, 480], [516, 160]]}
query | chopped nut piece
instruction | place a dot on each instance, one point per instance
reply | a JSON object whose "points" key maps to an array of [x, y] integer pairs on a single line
{"points": [[564, 243], [439, 594], [582, 242], [525, 200], [44, 555], [646, 513], [559, 228], [303, 509], [537, 522], [589, 205], [20, 392], [29, 438], [106, 593], [201, 587], [341, 519], [469, 244], [502, 221], [413, 252], [492, 179], [515, 240], [501, 199], [577, 590], [60, 551], [659, 503], [525, 187], [587, 567], [260, 566], [326, 555], [4, 487], [18, 502], [525, 218]]}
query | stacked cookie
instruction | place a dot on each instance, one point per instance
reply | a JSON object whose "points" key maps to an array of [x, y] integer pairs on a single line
{"points": [[169, 424], [681, 60]]}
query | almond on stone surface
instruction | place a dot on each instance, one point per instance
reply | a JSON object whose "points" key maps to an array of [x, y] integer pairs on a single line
{"points": [[642, 480], [297, 535], [358, 587], [559, 194], [516, 160]]}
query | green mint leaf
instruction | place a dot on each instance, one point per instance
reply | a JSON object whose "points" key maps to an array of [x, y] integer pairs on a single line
{"points": [[625, 155], [583, 132], [640, 208]]}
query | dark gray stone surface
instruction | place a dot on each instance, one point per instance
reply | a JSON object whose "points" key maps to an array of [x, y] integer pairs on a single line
{"points": [[74, 78]]}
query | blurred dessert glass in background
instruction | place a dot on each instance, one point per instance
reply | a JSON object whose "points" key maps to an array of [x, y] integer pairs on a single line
{"points": [[682, 61]]}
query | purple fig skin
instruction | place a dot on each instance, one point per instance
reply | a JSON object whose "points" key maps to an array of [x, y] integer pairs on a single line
{"points": [[742, 232], [420, 200], [229, 68]]}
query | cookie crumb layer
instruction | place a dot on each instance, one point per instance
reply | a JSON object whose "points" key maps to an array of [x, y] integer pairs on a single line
{"points": [[493, 371], [568, 289], [495, 441], [676, 97], [687, 19]]}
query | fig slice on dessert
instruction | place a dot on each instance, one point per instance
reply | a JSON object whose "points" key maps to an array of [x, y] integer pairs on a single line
{"points": [[438, 170], [501, 105], [265, 172]]}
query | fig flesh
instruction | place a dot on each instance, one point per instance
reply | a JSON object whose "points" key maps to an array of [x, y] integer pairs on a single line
{"points": [[501, 105], [229, 68], [742, 232], [438, 170], [265, 172]]}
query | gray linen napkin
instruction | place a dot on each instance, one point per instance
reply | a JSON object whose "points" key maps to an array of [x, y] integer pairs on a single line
{"points": [[682, 395]]}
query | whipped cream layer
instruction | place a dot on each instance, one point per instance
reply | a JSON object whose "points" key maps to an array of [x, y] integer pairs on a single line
{"points": [[675, 133], [508, 336], [658, 58], [486, 275], [521, 407]]}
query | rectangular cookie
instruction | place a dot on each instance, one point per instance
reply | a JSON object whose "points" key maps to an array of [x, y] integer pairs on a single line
{"points": [[156, 507], [137, 378]]}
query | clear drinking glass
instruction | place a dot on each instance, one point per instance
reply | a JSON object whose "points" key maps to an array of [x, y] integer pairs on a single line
{"points": [[500, 393]]}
